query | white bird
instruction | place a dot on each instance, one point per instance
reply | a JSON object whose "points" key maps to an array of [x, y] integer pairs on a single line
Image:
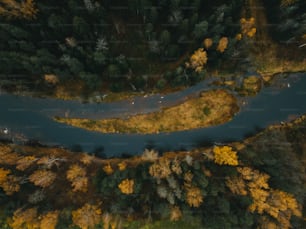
{"points": [[5, 131], [162, 97], [288, 85], [133, 102]]}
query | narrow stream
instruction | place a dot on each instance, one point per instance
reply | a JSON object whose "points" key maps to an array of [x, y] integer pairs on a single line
{"points": [[32, 118]]}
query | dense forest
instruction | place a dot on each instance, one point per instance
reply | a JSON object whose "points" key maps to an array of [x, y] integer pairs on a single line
{"points": [[258, 183], [82, 46], [135, 44]]}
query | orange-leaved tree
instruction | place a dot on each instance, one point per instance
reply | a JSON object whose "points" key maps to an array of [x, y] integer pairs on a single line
{"points": [[43, 178], [224, 155], [77, 176], [9, 183], [126, 186], [197, 60], [16, 9], [49, 220], [87, 216], [24, 219], [25, 162]]}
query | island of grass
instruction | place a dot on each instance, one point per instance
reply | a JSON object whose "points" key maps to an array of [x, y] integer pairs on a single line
{"points": [[209, 108]]}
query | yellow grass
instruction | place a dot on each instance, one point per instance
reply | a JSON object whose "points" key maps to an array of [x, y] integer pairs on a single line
{"points": [[211, 108]]}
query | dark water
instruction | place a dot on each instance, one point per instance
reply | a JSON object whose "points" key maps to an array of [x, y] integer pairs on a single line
{"points": [[31, 118]]}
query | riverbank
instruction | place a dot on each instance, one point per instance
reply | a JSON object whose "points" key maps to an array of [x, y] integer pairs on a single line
{"points": [[210, 108], [160, 189]]}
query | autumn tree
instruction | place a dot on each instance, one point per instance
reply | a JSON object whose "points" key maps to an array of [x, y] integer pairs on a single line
{"points": [[176, 213], [160, 168], [149, 155], [24, 219], [208, 42], [247, 27], [108, 169], [285, 3], [77, 176], [3, 175], [16, 9], [276, 203], [86, 159], [9, 183], [49, 220], [194, 196], [25, 162], [126, 186], [222, 45], [42, 178], [87, 216], [224, 155], [197, 60], [7, 156]]}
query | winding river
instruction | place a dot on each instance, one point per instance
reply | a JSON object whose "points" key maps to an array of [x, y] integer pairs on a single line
{"points": [[31, 118]]}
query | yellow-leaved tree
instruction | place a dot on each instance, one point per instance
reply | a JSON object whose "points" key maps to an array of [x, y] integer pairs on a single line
{"points": [[49, 220], [160, 168], [197, 60], [43, 178], [25, 219], [87, 216], [18, 9], [25, 162], [9, 183], [77, 176], [222, 45], [224, 155], [278, 204], [194, 196], [126, 186]]}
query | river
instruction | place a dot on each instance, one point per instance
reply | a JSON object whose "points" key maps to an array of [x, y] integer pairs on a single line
{"points": [[31, 118]]}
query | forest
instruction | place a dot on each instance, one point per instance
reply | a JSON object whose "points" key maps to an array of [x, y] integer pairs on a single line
{"points": [[135, 45], [76, 48]]}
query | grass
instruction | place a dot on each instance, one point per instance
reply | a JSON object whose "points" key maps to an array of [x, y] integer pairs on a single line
{"points": [[211, 108]]}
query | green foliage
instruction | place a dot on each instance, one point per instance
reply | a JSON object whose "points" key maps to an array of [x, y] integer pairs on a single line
{"points": [[200, 29]]}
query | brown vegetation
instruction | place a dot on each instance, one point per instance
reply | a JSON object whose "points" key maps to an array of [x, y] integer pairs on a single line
{"points": [[211, 108]]}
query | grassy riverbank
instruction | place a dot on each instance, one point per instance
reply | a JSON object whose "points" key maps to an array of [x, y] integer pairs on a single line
{"points": [[55, 187], [210, 108]]}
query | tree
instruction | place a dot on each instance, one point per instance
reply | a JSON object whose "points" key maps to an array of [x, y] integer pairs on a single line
{"points": [[207, 43], [165, 37], [25, 162], [80, 26], [3, 175], [25, 219], [14, 9], [77, 176], [9, 183], [49, 220], [87, 216], [43, 178], [225, 155], [222, 45], [200, 29], [160, 168], [197, 60], [285, 3], [126, 186], [194, 196]]}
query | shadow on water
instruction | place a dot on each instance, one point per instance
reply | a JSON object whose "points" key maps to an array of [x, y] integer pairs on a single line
{"points": [[29, 118]]}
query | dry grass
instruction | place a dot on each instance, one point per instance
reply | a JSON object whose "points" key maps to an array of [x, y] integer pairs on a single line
{"points": [[211, 108]]}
